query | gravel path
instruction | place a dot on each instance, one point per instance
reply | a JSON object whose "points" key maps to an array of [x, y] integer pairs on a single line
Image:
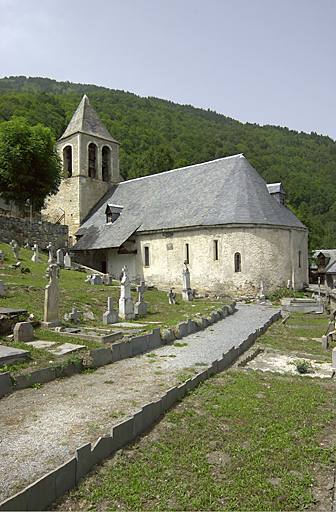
{"points": [[41, 428]]}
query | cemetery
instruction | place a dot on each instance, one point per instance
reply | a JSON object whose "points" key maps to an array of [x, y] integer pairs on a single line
{"points": [[59, 321], [75, 314]]}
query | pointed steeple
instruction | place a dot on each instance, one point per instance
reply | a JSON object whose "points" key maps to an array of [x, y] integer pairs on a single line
{"points": [[86, 120]]}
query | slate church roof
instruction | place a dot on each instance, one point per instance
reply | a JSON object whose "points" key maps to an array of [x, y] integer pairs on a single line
{"points": [[86, 120], [227, 191]]}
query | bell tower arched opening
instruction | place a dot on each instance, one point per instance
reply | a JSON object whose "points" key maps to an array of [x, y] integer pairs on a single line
{"points": [[106, 163], [67, 161], [92, 154]]}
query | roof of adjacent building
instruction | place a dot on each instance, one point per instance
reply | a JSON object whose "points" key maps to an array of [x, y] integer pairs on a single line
{"points": [[221, 192], [86, 120], [330, 254]]}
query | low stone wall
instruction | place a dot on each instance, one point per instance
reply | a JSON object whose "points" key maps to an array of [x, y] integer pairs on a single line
{"points": [[35, 232], [47, 489]]}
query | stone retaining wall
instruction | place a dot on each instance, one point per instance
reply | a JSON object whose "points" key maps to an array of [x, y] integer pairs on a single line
{"points": [[26, 232], [47, 489]]}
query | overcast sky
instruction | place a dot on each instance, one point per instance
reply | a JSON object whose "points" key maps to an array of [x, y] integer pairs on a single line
{"points": [[257, 61]]}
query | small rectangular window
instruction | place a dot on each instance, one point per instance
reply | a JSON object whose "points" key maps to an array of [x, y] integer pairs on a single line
{"points": [[187, 253], [146, 256], [215, 250]]}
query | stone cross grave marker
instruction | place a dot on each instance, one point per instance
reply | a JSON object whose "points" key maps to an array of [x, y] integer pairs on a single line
{"points": [[51, 297], [110, 316], [262, 296], [187, 294], [67, 261], [2, 255], [140, 307], [36, 257], [125, 301], [59, 258], [75, 315], [50, 248], [171, 297]]}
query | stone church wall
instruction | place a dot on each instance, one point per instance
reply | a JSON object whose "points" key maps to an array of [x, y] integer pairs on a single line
{"points": [[270, 255], [41, 233]]}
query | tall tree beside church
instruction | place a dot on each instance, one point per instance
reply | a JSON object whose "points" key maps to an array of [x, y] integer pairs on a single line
{"points": [[30, 167]]}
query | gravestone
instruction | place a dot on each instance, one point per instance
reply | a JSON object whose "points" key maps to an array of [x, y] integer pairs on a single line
{"points": [[59, 258], [125, 301], [16, 249], [36, 257], [108, 280], [67, 261], [75, 315], [110, 316], [51, 298], [140, 307], [96, 280], [50, 248], [171, 297], [2, 256], [3, 288], [187, 294], [23, 331]]}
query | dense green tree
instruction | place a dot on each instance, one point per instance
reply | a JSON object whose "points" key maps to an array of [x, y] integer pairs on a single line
{"points": [[157, 134], [30, 168]]}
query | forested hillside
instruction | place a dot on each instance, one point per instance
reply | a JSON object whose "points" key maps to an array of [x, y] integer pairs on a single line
{"points": [[157, 135]]}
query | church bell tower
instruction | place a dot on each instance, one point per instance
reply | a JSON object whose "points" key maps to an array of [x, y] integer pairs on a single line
{"points": [[90, 158]]}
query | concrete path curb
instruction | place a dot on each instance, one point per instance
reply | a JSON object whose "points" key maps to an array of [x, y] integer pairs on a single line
{"points": [[45, 490]]}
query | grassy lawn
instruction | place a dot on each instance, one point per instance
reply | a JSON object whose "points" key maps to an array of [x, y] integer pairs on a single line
{"points": [[242, 440], [26, 291]]}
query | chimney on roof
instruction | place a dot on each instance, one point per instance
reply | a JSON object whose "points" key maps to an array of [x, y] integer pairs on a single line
{"points": [[276, 190]]}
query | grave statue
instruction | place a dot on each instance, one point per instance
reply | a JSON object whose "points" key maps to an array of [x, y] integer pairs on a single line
{"points": [[51, 297], [125, 301], [140, 307]]}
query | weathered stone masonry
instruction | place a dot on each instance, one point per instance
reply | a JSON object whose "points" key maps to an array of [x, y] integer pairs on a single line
{"points": [[35, 232]]}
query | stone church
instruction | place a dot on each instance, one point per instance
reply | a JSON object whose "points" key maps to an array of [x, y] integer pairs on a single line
{"points": [[232, 228]]}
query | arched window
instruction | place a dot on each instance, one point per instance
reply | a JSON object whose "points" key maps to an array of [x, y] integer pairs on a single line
{"points": [[92, 160], [67, 161], [237, 262], [106, 163]]}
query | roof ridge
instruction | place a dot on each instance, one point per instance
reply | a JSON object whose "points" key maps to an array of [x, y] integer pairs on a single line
{"points": [[185, 167]]}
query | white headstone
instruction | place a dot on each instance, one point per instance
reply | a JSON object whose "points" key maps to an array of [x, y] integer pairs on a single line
{"points": [[110, 316], [59, 258], [67, 261], [140, 307], [36, 257], [125, 301]]}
